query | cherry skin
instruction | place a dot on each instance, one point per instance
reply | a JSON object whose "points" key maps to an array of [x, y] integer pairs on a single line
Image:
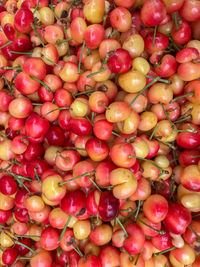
{"points": [[177, 219], [49, 238], [120, 61], [9, 256], [8, 185], [108, 206], [74, 203]]}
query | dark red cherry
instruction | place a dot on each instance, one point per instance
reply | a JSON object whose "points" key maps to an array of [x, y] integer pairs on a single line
{"points": [[9, 256], [55, 136], [8, 185], [23, 19], [108, 206]]}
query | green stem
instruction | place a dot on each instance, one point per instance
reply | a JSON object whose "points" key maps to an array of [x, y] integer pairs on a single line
{"points": [[154, 164], [54, 110], [41, 82], [85, 92], [36, 7], [79, 63], [64, 229], [36, 175], [116, 134], [176, 21], [28, 236], [138, 209], [95, 184], [154, 130], [155, 230], [95, 73], [68, 48], [194, 232], [22, 184], [46, 58], [74, 148], [164, 251], [148, 85], [19, 176], [121, 225], [183, 119], [36, 32], [179, 97], [85, 174], [166, 114], [9, 42], [159, 80], [21, 244], [154, 35], [130, 256], [21, 53]]}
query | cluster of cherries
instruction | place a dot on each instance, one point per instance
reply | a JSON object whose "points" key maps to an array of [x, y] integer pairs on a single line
{"points": [[99, 133]]}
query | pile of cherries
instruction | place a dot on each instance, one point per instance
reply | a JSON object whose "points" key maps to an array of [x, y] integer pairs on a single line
{"points": [[100, 133]]}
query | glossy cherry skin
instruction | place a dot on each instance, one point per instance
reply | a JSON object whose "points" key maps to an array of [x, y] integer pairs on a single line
{"points": [[55, 136], [153, 12], [33, 151], [177, 219], [8, 185], [108, 206], [21, 249], [74, 203], [36, 126], [23, 19], [80, 126], [120, 61], [9, 256], [4, 216], [49, 238]]}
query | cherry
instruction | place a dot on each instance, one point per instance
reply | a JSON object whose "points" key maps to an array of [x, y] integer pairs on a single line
{"points": [[120, 61], [36, 126], [74, 203], [80, 126], [8, 185], [55, 136], [4, 216], [23, 250], [9, 256], [49, 238], [108, 206], [177, 219]]}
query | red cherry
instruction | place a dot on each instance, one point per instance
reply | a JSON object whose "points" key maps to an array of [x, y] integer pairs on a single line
{"points": [[108, 206], [8, 185], [120, 61], [23, 19], [9, 256]]}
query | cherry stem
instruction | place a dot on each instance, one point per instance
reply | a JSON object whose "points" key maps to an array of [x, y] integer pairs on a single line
{"points": [[82, 175], [148, 85], [65, 31], [1, 249], [179, 97], [11, 68], [74, 148], [154, 164], [21, 53], [138, 209], [36, 32], [103, 105], [19, 176], [156, 230], [154, 130], [22, 184], [138, 256], [130, 256], [183, 119], [176, 21], [196, 156], [196, 215], [166, 114], [7, 83], [52, 8], [64, 229], [21, 244], [85, 92], [154, 35], [36, 7], [164, 251], [191, 229], [121, 225], [95, 184], [9, 42], [41, 82], [63, 108], [174, 155], [95, 73], [79, 63], [76, 248], [116, 134], [36, 175], [4, 227], [130, 138], [159, 80], [46, 58]]}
